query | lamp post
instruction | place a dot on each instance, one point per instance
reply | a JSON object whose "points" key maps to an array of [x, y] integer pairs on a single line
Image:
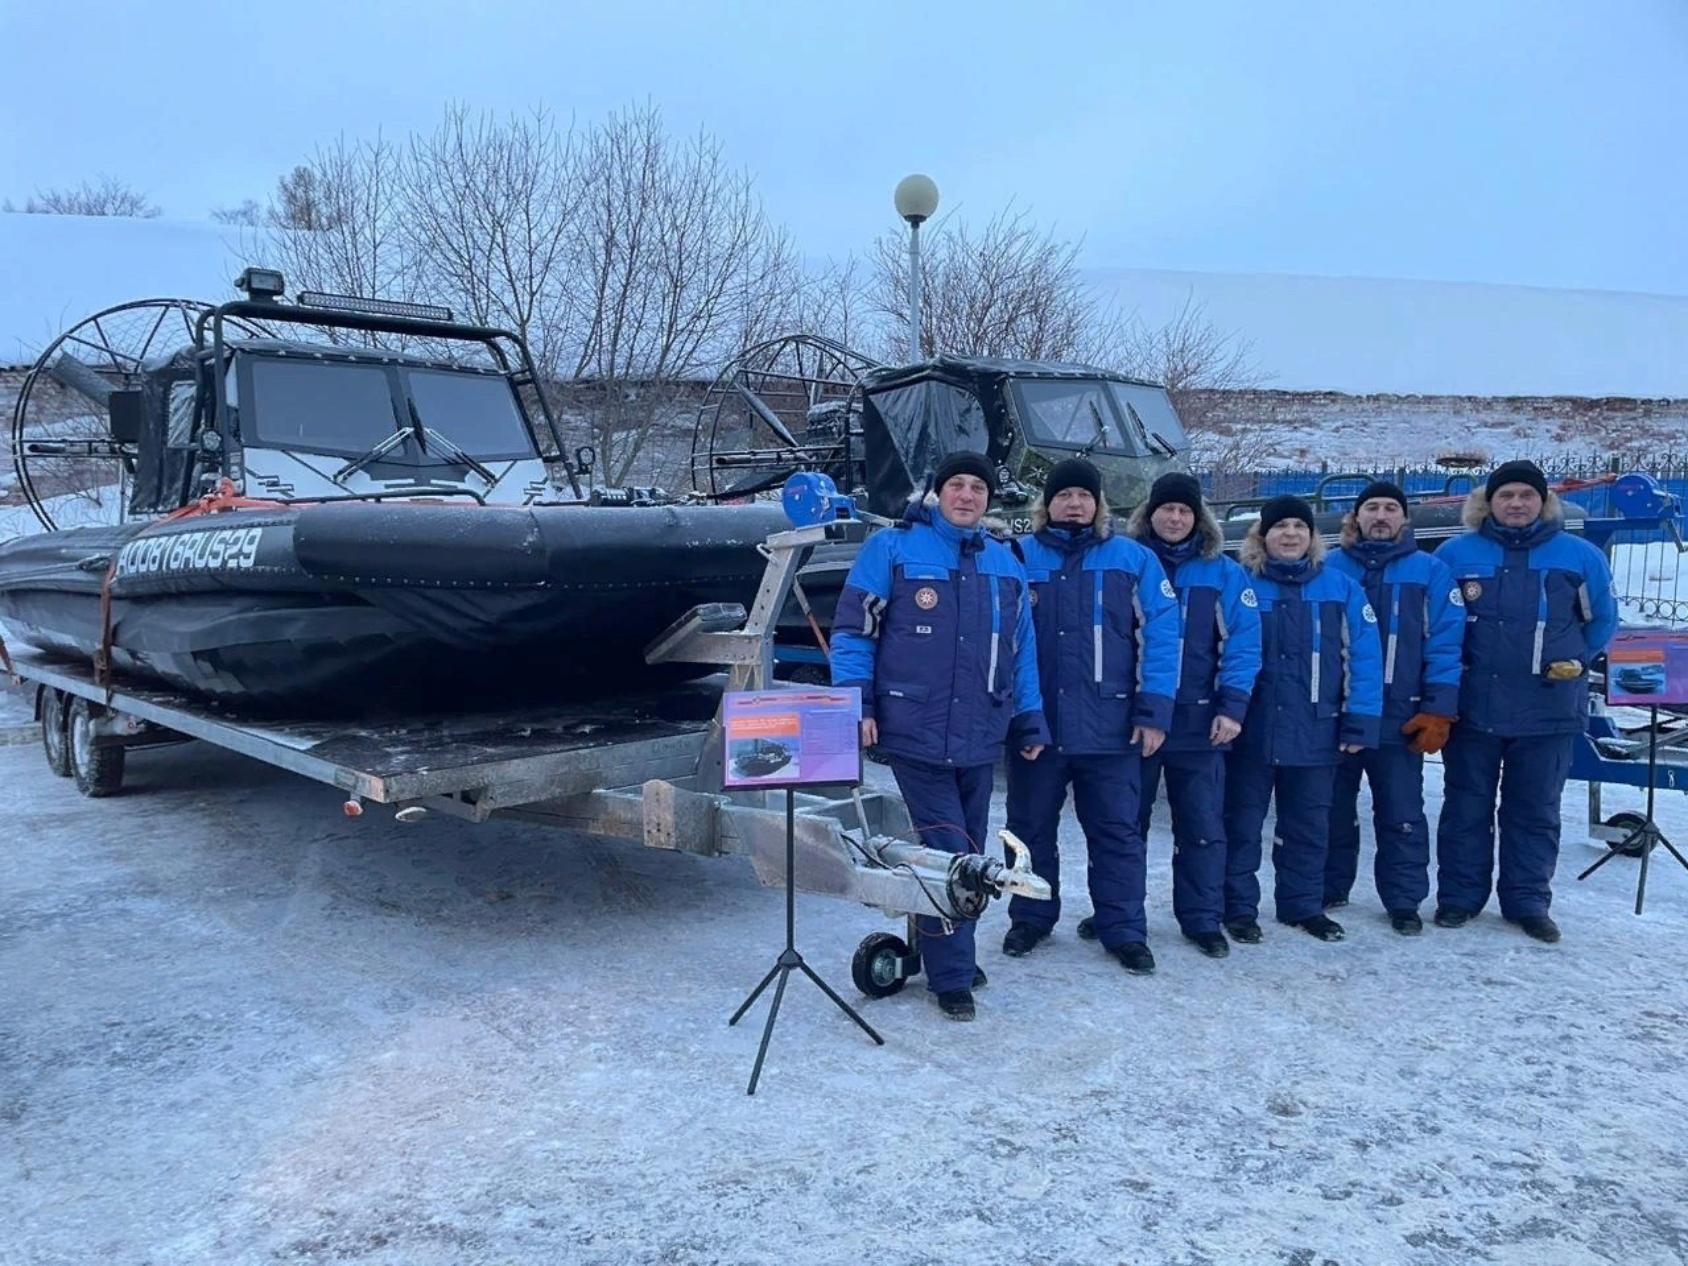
{"points": [[916, 198]]}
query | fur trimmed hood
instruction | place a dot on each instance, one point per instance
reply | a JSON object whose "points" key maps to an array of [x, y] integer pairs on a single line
{"points": [[1252, 552], [1139, 528], [1103, 523], [1477, 508]]}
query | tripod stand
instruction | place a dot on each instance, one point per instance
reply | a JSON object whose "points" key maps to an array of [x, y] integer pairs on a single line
{"points": [[1647, 836], [790, 960]]}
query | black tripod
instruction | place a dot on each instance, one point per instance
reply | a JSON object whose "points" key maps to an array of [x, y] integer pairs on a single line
{"points": [[790, 960], [1646, 837]]}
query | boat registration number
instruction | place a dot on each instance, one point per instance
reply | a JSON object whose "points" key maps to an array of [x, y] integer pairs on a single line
{"points": [[222, 549]]}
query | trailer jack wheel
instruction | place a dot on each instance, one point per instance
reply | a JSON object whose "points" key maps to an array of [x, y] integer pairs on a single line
{"points": [[98, 770], [1628, 822], [879, 965], [54, 739]]}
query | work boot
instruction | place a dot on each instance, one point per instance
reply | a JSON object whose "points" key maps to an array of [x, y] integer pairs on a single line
{"points": [[1022, 939], [1448, 917], [1539, 926], [1087, 928], [980, 980], [1135, 957], [1406, 922], [1213, 944], [957, 1004], [1319, 926], [1244, 931]]}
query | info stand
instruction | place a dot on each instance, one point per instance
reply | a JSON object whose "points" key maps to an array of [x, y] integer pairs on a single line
{"points": [[786, 739], [1645, 668]]}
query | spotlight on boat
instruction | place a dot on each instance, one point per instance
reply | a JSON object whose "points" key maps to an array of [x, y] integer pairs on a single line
{"points": [[262, 285]]}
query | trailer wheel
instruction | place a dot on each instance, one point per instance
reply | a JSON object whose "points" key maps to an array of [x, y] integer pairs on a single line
{"points": [[877, 967], [54, 740], [98, 770], [1628, 822]]}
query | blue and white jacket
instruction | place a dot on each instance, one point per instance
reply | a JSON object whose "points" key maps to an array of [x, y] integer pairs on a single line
{"points": [[1221, 630], [1107, 636], [935, 626], [1321, 664], [1532, 595], [1420, 624]]}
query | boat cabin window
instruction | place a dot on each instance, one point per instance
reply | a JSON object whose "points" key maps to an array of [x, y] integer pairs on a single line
{"points": [[179, 406], [1073, 413], [1151, 409], [318, 406], [929, 419], [476, 412]]}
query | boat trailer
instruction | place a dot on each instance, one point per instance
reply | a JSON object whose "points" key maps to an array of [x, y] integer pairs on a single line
{"points": [[643, 768]]}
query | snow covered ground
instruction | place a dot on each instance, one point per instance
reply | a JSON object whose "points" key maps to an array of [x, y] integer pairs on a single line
{"points": [[238, 1028]]}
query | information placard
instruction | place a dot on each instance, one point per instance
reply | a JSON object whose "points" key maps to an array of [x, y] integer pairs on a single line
{"points": [[1646, 667], [789, 738]]}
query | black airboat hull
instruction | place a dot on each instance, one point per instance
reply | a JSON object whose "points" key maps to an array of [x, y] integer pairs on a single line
{"points": [[362, 609]]}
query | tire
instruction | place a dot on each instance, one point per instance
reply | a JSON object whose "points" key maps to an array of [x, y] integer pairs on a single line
{"points": [[877, 967], [98, 770], [1628, 822], [55, 741]]}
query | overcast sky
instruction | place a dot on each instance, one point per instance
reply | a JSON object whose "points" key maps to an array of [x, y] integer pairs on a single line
{"points": [[1532, 141]]}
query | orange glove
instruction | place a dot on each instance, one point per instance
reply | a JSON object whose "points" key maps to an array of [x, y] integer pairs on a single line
{"points": [[1427, 733]]}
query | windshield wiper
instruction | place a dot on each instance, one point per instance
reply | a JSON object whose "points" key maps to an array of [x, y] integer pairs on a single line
{"points": [[1155, 436], [372, 456], [448, 447], [1101, 428]]}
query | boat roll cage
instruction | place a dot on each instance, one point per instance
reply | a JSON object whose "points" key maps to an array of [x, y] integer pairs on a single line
{"points": [[508, 350]]}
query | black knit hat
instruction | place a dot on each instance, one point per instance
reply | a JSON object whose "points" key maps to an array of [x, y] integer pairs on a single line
{"points": [[1176, 488], [964, 462], [1519, 472], [1075, 472], [1286, 507], [1383, 488]]}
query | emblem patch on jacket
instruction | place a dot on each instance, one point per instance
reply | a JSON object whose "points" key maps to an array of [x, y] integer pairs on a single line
{"points": [[1367, 614], [926, 597], [1457, 598], [1473, 590], [1249, 599], [1167, 589]]}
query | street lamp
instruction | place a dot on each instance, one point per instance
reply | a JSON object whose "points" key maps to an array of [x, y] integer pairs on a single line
{"points": [[916, 198]]}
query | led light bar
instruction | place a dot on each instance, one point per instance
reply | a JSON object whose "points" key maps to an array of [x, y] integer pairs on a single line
{"points": [[373, 307]]}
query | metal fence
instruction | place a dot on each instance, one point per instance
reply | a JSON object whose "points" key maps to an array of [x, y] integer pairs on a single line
{"points": [[1648, 570]]}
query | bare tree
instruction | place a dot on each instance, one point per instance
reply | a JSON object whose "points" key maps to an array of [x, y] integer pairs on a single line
{"points": [[353, 194], [105, 196], [248, 214]]}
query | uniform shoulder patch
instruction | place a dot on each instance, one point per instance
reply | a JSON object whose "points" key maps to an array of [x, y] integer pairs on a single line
{"points": [[1473, 590], [1250, 598], [1368, 614], [1456, 597], [1167, 589]]}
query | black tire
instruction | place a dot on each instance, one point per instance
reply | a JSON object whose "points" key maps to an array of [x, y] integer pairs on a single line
{"points": [[877, 967], [98, 770], [55, 741], [1626, 822]]}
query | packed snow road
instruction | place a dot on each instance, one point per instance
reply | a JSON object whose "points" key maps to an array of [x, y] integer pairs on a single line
{"points": [[237, 1028]]}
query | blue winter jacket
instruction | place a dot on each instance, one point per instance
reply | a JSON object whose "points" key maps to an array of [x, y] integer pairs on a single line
{"points": [[1107, 637], [1321, 667], [1420, 625], [1221, 646], [1532, 595], [935, 627]]}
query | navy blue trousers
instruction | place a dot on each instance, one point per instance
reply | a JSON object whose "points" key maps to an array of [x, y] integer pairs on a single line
{"points": [[1195, 793], [1105, 795], [950, 808], [1299, 843], [1528, 774], [1402, 866]]}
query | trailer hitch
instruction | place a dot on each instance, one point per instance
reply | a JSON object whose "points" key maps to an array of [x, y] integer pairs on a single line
{"points": [[974, 878]]}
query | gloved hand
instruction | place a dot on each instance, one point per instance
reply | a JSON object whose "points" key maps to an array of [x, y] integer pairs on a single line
{"points": [[1427, 733], [1564, 670]]}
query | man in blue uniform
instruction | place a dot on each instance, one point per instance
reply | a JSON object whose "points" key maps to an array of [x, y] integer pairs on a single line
{"points": [[1421, 624], [935, 627], [1539, 608], [1220, 660], [1107, 639], [1319, 694]]}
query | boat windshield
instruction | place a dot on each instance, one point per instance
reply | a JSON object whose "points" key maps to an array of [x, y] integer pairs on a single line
{"points": [[1074, 412], [476, 412], [1151, 408]]}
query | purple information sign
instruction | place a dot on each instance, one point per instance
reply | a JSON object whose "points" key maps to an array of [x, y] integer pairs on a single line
{"points": [[786, 738], [1647, 666]]}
